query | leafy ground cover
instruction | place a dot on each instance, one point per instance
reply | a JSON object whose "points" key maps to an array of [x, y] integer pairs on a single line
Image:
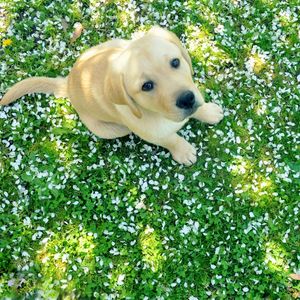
{"points": [[81, 217]]}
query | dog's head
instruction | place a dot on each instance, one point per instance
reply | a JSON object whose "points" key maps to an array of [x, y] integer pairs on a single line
{"points": [[155, 73]]}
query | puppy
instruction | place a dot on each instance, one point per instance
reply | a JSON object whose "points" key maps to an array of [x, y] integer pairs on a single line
{"points": [[143, 86]]}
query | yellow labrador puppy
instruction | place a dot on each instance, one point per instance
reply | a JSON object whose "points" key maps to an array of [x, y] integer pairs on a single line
{"points": [[143, 86]]}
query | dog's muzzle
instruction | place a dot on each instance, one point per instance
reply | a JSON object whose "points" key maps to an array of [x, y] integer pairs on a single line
{"points": [[187, 102]]}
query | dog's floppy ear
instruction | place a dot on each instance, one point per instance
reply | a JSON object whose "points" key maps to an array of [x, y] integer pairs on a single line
{"points": [[172, 37], [116, 91]]}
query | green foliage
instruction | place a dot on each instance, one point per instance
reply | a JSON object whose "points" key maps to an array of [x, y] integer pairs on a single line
{"points": [[82, 217]]}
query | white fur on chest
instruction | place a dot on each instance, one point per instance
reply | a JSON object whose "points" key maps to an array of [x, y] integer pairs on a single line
{"points": [[152, 126]]}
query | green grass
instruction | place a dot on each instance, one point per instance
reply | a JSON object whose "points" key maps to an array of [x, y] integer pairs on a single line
{"points": [[82, 217]]}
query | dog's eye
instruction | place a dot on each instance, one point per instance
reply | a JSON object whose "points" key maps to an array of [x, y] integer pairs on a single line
{"points": [[148, 86], [175, 63]]}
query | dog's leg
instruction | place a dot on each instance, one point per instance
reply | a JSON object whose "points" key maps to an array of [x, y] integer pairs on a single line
{"points": [[210, 113], [104, 130], [182, 151]]}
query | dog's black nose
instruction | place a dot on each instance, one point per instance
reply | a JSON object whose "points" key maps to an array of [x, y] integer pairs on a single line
{"points": [[186, 100]]}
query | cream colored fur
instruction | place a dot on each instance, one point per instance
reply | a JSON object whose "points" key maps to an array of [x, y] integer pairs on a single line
{"points": [[104, 87], [56, 86]]}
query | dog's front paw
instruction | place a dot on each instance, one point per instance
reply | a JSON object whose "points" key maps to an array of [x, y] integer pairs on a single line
{"points": [[184, 153], [210, 113]]}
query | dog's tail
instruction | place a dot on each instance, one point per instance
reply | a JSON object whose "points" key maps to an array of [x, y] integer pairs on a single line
{"points": [[46, 85]]}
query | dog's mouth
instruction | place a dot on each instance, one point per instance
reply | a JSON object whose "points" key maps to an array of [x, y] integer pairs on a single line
{"points": [[188, 112], [183, 114]]}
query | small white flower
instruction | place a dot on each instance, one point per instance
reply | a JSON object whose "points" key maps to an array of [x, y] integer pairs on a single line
{"points": [[56, 256], [140, 205], [180, 177], [121, 278], [185, 230], [219, 29], [65, 257], [27, 221], [114, 251], [11, 282], [25, 254], [196, 227], [148, 229]]}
